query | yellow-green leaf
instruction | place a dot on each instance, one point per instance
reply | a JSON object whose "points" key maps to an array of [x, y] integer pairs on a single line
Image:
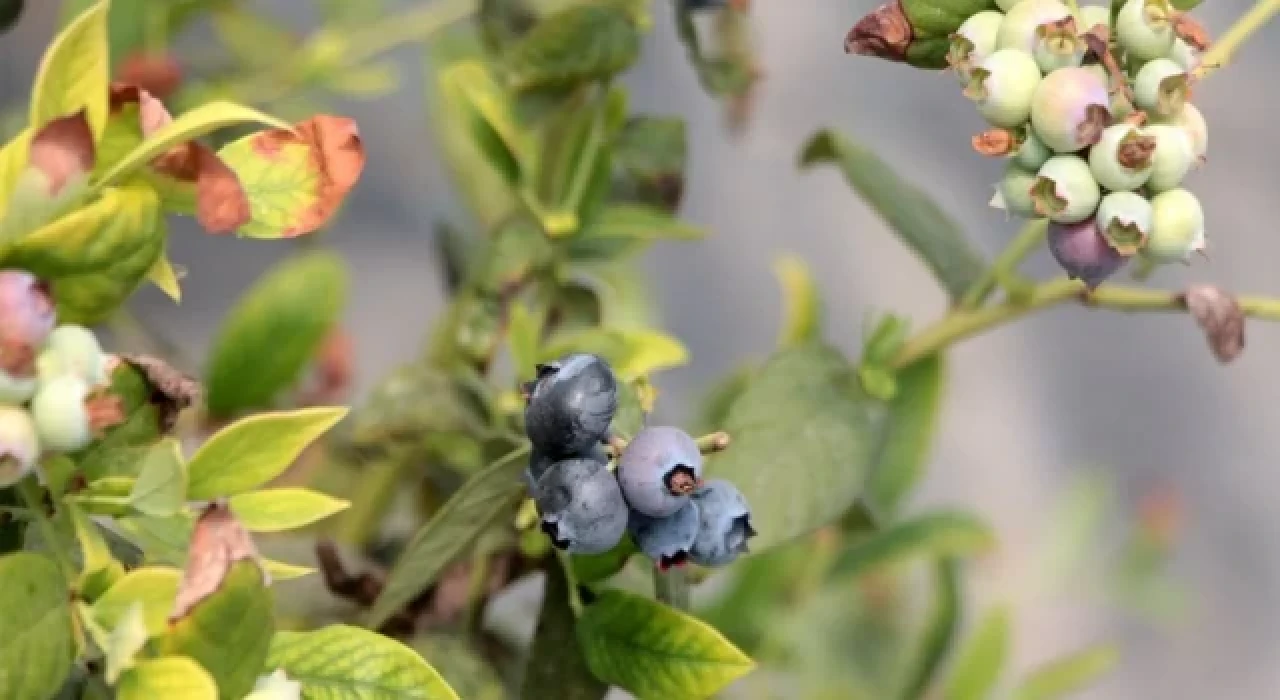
{"points": [[942, 534], [255, 450], [274, 510], [469, 87], [802, 315], [654, 651], [284, 571], [1062, 677], [229, 632], [273, 331], [164, 276], [167, 677], [981, 659], [13, 160], [99, 569], [154, 587], [341, 662], [36, 642], [161, 487], [125, 641], [198, 122], [524, 331], [640, 221], [73, 72], [632, 352]]}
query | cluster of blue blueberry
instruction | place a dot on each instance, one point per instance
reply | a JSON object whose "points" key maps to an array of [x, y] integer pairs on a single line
{"points": [[657, 493]]}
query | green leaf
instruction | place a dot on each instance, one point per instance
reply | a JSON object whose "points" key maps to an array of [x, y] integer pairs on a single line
{"points": [[13, 160], [229, 632], [802, 443], [652, 153], [202, 120], [99, 569], [154, 587], [580, 44], [36, 644], [164, 275], [633, 353], [73, 72], [981, 659], [524, 331], [653, 651], [161, 488], [943, 534], [640, 221], [487, 111], [255, 450], [274, 331], [594, 568], [95, 256], [167, 677], [284, 571], [515, 250], [127, 638], [556, 666], [163, 540], [906, 435], [1069, 674], [468, 513], [924, 227], [940, 629], [341, 662], [802, 303], [274, 510]]}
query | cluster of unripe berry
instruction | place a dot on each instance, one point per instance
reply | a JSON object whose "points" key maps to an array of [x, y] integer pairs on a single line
{"points": [[656, 492], [1096, 121], [49, 374]]}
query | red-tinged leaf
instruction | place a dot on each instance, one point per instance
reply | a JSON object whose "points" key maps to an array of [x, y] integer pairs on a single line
{"points": [[62, 151], [158, 74], [296, 179], [218, 542]]}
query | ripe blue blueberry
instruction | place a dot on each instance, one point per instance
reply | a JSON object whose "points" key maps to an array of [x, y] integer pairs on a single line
{"points": [[666, 541], [571, 403], [581, 506], [539, 463], [658, 470], [725, 524]]}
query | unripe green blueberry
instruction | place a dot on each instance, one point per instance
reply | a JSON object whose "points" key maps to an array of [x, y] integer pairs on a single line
{"points": [[1091, 16], [1121, 106], [1031, 153], [1070, 109], [1013, 193], [1177, 227], [16, 391], [1144, 28], [1002, 86], [1122, 158], [1172, 159], [1082, 252], [61, 417], [1006, 5], [19, 445], [1058, 45], [1018, 30], [972, 42], [1124, 219], [1160, 88], [73, 350], [1184, 54], [1065, 191], [1191, 121]]}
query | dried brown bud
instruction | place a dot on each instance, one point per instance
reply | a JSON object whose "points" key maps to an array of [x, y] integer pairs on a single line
{"points": [[884, 33], [995, 142], [1220, 317], [1191, 31]]}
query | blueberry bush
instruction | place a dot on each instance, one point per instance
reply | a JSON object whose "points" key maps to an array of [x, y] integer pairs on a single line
{"points": [[235, 531]]}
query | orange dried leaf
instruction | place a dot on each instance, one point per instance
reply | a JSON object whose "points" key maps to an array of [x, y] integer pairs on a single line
{"points": [[218, 542], [63, 150]]}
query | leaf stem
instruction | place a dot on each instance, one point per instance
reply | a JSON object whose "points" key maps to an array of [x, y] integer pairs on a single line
{"points": [[29, 490], [1006, 264], [961, 324], [672, 587], [1224, 49]]}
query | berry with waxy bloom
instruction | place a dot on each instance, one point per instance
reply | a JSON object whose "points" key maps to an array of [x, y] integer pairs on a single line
{"points": [[1122, 158], [1184, 54], [1065, 191], [1177, 227], [571, 404], [1144, 28], [74, 350], [1013, 192], [1160, 88], [972, 42], [659, 469], [1002, 87], [1070, 109], [27, 317], [19, 445], [1031, 153], [1021, 23], [1191, 121], [725, 524], [1172, 159], [1124, 218], [1058, 45], [1083, 253], [1092, 15], [581, 506], [61, 414], [666, 540]]}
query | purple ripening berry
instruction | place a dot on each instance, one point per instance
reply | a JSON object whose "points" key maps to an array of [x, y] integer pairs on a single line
{"points": [[1083, 253]]}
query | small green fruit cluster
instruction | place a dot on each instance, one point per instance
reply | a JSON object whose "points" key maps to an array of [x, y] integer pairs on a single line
{"points": [[48, 376], [1099, 151]]}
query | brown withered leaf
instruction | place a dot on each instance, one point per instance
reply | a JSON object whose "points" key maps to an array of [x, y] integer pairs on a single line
{"points": [[158, 74], [218, 542], [337, 156], [174, 390], [1191, 31], [63, 150], [1220, 317]]}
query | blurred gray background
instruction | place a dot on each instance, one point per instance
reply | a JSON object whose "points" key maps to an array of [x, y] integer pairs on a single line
{"points": [[1028, 405]]}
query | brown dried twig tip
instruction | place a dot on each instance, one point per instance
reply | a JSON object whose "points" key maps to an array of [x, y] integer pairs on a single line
{"points": [[1220, 317], [884, 33], [995, 143]]}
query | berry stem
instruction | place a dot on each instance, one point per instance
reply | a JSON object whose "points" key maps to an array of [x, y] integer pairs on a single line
{"points": [[1224, 49], [713, 442], [672, 587], [962, 323], [1028, 240]]}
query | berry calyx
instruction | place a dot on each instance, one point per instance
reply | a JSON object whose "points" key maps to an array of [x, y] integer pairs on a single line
{"points": [[1161, 87], [1003, 85], [1083, 253], [1144, 28], [1177, 227], [1058, 45], [1122, 158], [972, 42], [1065, 191], [1070, 108], [1124, 218], [1021, 23], [1172, 159]]}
